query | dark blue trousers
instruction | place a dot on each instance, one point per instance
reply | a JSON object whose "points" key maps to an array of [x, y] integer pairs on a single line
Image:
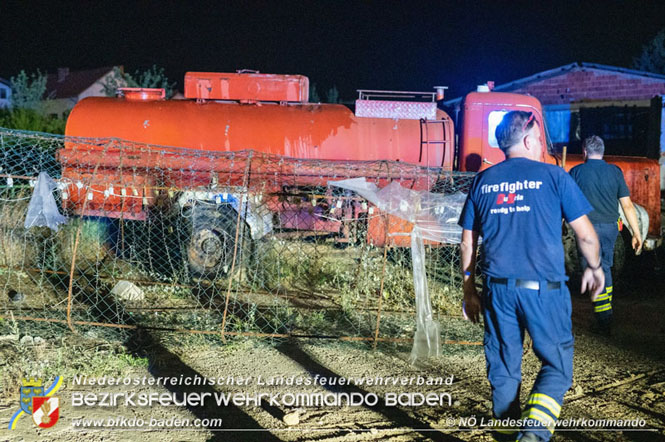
{"points": [[545, 314], [607, 236]]}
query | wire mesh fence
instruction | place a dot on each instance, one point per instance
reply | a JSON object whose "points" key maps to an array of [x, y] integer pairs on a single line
{"points": [[225, 243]]}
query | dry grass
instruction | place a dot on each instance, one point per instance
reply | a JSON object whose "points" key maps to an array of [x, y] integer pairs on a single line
{"points": [[353, 275], [18, 248], [21, 248], [64, 357]]}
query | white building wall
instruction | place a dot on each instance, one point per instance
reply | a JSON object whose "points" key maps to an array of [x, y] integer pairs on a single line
{"points": [[96, 90]]}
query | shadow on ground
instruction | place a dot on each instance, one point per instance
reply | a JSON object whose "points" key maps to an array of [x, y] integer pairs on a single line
{"points": [[164, 363], [398, 417]]}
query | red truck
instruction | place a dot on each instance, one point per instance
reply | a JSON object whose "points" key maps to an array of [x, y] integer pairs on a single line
{"points": [[197, 150]]}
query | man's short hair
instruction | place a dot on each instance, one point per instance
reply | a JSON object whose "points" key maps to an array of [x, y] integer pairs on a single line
{"points": [[513, 128], [594, 145]]}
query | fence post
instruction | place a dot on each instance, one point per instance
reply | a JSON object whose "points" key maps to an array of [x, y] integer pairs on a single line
{"points": [[245, 186], [71, 274], [72, 268], [383, 277]]}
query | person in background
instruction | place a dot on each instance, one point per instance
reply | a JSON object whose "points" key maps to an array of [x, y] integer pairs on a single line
{"points": [[604, 186], [517, 207]]}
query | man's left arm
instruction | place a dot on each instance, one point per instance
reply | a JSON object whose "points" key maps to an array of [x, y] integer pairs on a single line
{"points": [[472, 303], [631, 215]]}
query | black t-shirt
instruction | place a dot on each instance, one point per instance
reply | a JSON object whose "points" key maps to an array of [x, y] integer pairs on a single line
{"points": [[603, 184]]}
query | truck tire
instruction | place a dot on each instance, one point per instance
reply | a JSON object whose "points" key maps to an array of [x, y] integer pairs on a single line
{"points": [[212, 239]]}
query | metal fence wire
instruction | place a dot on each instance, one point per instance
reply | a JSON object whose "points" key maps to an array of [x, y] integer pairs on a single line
{"points": [[226, 243]]}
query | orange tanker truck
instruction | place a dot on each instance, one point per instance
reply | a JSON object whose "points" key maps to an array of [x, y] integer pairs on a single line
{"points": [[202, 142]]}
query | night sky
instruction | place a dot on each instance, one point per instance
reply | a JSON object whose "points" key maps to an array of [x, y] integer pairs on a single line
{"points": [[351, 44]]}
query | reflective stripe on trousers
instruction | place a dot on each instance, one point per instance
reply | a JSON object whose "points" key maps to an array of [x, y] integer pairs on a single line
{"points": [[607, 236]]}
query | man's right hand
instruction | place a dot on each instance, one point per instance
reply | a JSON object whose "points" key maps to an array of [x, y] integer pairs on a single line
{"points": [[593, 281], [472, 303], [587, 241], [637, 244], [631, 215]]}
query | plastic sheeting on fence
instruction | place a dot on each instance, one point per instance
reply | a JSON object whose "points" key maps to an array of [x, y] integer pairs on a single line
{"points": [[435, 218], [43, 210]]}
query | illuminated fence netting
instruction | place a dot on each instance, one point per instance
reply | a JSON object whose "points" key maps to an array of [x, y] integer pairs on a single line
{"points": [[238, 243]]}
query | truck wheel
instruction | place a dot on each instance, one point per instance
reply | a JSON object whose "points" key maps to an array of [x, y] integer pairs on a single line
{"points": [[211, 244]]}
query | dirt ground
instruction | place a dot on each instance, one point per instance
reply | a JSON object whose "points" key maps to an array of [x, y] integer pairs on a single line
{"points": [[622, 377]]}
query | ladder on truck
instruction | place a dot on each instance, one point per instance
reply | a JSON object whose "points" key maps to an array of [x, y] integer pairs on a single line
{"points": [[428, 127]]}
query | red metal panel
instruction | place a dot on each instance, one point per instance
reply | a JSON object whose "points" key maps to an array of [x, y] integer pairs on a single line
{"points": [[112, 194], [398, 232], [246, 86]]}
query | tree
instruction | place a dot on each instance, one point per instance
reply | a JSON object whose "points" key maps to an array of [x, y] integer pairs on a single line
{"points": [[652, 58], [32, 120], [333, 95], [27, 106], [115, 81], [153, 77], [314, 94], [28, 90]]}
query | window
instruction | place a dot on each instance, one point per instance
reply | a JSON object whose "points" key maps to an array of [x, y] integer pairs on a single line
{"points": [[3, 93], [623, 128], [493, 121], [558, 125]]}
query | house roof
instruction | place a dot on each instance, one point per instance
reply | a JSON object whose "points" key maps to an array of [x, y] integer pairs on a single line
{"points": [[74, 82], [5, 82], [572, 67]]}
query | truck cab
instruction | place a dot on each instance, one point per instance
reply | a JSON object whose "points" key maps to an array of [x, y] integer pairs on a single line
{"points": [[481, 114], [482, 111]]}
